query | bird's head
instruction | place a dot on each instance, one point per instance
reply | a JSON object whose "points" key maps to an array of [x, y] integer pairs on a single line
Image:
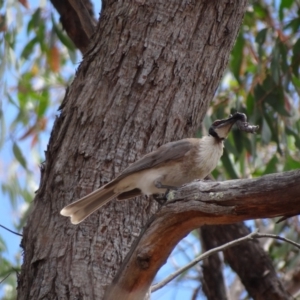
{"points": [[221, 128]]}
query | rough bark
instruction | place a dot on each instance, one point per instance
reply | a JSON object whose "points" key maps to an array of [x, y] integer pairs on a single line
{"points": [[146, 80], [202, 203], [212, 268], [258, 275]]}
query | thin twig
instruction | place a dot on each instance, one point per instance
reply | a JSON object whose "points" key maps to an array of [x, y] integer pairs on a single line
{"points": [[86, 20], [250, 236], [19, 234], [161, 284], [4, 278], [277, 237]]}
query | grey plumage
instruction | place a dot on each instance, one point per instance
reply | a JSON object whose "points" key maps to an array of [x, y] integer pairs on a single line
{"points": [[83, 207]]}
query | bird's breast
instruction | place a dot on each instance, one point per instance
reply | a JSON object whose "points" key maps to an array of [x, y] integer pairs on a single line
{"points": [[209, 153]]}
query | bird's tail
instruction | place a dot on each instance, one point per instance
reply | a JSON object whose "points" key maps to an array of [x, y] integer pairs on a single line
{"points": [[83, 207]]}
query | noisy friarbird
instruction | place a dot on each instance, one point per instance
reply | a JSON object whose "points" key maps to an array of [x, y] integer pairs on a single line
{"points": [[170, 166]]}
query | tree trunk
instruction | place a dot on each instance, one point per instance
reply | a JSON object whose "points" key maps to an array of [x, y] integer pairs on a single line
{"points": [[146, 79], [213, 284]]}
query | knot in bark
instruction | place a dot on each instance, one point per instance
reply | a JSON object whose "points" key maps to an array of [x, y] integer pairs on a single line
{"points": [[143, 259]]}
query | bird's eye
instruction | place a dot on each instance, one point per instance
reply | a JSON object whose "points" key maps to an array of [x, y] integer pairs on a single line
{"points": [[216, 123]]}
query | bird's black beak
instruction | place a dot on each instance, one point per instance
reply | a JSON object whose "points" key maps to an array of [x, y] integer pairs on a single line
{"points": [[221, 128], [232, 119]]}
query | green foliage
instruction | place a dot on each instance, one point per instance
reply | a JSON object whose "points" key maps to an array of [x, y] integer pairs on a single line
{"points": [[19, 155], [263, 82]]}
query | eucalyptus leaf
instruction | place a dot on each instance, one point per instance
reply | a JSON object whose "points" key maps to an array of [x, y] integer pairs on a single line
{"points": [[19, 155]]}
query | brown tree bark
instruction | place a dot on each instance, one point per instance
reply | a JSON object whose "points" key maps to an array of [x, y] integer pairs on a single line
{"points": [[213, 284], [147, 79]]}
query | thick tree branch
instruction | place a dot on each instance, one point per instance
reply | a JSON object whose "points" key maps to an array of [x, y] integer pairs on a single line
{"points": [[86, 21], [202, 203], [71, 22]]}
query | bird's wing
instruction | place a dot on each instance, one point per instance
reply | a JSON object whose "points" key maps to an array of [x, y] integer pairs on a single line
{"points": [[165, 153]]}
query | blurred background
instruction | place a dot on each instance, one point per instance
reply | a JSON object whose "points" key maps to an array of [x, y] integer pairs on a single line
{"points": [[38, 61]]}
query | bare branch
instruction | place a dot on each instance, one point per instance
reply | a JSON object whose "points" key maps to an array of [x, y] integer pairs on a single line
{"points": [[250, 236], [14, 232], [202, 203], [4, 278], [277, 237], [161, 284], [87, 22]]}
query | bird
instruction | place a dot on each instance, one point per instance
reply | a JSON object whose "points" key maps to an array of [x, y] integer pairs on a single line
{"points": [[168, 167]]}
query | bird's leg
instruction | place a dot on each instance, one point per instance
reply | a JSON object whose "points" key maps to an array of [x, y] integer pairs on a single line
{"points": [[162, 198], [159, 185]]}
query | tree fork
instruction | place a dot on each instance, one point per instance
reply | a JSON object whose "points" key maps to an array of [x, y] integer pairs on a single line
{"points": [[196, 204]]}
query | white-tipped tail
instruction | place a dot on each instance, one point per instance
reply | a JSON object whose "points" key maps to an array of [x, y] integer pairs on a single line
{"points": [[83, 207]]}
